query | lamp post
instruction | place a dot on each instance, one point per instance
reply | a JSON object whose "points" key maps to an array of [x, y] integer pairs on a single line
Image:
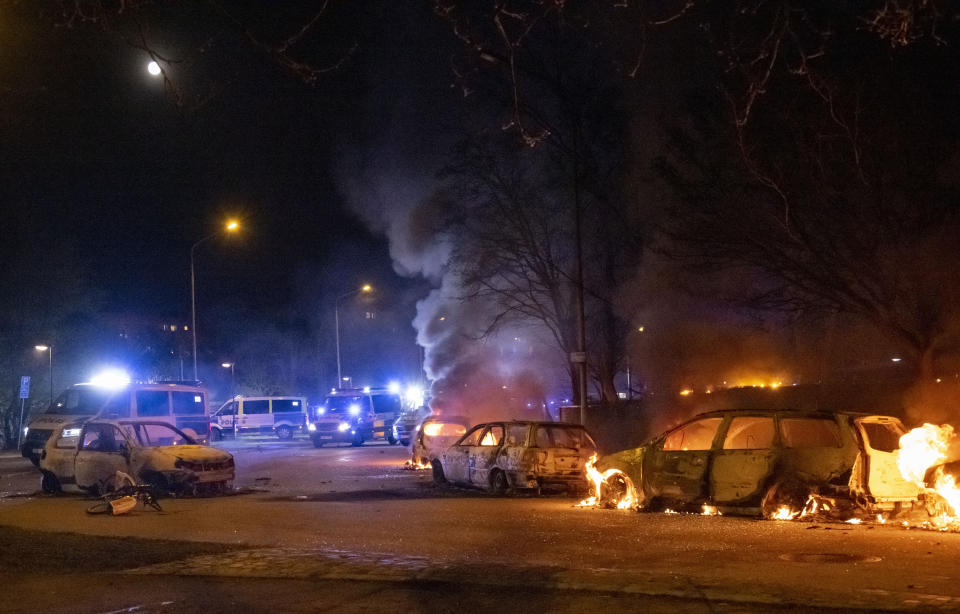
{"points": [[233, 381], [49, 350], [336, 318], [231, 226]]}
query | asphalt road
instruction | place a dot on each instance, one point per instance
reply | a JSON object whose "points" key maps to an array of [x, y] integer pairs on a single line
{"points": [[348, 529]]}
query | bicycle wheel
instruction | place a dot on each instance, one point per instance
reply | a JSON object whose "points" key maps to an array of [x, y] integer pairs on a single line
{"points": [[101, 507]]}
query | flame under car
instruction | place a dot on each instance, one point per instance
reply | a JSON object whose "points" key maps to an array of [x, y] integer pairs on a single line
{"points": [[762, 461], [153, 452], [501, 456]]}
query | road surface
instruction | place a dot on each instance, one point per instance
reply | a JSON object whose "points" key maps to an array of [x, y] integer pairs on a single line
{"points": [[349, 528]]}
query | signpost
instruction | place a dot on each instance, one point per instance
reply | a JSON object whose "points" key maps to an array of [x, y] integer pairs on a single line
{"points": [[24, 395]]}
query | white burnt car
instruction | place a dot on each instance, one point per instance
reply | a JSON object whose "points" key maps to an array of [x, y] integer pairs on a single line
{"points": [[518, 454], [435, 434], [152, 452]]}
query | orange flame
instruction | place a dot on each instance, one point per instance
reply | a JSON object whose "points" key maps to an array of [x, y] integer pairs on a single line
{"points": [[415, 465], [626, 501], [923, 448]]}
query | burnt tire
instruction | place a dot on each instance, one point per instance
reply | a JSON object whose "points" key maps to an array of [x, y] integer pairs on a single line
{"points": [[438, 476], [215, 435], [49, 483], [498, 483], [284, 432], [783, 493]]}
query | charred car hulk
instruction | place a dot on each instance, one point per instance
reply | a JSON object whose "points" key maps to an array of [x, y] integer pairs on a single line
{"points": [[501, 456], [770, 461]]}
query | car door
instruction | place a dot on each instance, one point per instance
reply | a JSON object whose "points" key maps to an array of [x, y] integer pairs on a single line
{"points": [[457, 456], [878, 474], [101, 454], [227, 415], [740, 468], [679, 463], [483, 456], [255, 415]]}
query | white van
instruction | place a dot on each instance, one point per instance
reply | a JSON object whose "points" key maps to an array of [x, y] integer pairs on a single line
{"points": [[282, 416], [182, 405]]}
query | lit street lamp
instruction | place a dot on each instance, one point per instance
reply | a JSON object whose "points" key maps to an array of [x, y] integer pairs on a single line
{"points": [[230, 365], [336, 315], [231, 226], [49, 350]]}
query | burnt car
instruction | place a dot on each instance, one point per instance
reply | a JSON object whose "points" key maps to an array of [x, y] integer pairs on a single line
{"points": [[435, 435], [153, 452], [500, 456], [765, 461]]}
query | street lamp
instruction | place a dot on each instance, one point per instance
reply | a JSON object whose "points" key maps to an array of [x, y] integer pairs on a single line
{"points": [[231, 226], [49, 350], [365, 288], [230, 365]]}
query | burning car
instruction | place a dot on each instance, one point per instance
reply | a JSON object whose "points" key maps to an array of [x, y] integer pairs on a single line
{"points": [[518, 454], [769, 462], [154, 452], [435, 435]]}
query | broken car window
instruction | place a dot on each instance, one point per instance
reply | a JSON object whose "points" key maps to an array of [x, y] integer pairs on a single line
{"points": [[517, 434], [694, 436], [473, 438], [160, 435], [809, 433], [882, 436], [564, 437], [749, 433], [493, 436]]}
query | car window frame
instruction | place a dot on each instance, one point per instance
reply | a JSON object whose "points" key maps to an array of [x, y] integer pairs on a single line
{"points": [[721, 428], [460, 441], [725, 426]]}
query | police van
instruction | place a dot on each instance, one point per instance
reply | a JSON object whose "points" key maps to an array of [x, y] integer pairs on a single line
{"points": [[282, 416], [356, 415], [180, 404]]}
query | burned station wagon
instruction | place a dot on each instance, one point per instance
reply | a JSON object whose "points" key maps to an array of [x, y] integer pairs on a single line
{"points": [[504, 455], [759, 461]]}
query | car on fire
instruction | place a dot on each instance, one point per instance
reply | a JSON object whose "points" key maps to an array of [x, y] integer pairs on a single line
{"points": [[434, 435], [765, 461], [153, 452], [501, 456]]}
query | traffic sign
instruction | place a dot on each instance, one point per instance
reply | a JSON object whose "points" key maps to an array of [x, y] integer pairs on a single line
{"points": [[24, 386]]}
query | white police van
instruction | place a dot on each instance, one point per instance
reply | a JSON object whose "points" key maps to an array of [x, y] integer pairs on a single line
{"points": [[282, 416], [181, 404]]}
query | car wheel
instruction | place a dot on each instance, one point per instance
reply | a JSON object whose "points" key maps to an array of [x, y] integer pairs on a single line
{"points": [[391, 440], [215, 435], [317, 443], [49, 483], [404, 442], [783, 493], [284, 432], [357, 440], [498, 483], [438, 477]]}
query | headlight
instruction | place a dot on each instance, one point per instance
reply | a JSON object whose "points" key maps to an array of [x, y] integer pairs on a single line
{"points": [[70, 433], [354, 410], [311, 427], [321, 411], [343, 426]]}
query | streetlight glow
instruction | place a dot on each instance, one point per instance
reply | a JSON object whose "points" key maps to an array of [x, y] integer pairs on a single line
{"points": [[153, 68], [233, 225], [366, 288], [226, 365], [41, 348]]}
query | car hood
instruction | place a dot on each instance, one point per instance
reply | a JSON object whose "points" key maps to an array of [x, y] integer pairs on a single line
{"points": [[195, 453]]}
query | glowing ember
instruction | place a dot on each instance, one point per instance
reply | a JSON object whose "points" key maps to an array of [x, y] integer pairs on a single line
{"points": [[853, 521], [710, 510], [626, 494], [784, 513], [415, 465], [669, 511]]}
